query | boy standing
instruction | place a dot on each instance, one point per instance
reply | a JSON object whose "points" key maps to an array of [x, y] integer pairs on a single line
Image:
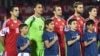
{"points": [[73, 39], [50, 39], [90, 39], [23, 43]]}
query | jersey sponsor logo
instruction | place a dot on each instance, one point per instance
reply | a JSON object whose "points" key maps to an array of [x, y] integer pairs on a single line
{"points": [[90, 38], [75, 36], [51, 38]]}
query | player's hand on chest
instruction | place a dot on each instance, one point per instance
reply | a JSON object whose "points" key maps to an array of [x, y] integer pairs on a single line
{"points": [[75, 36], [53, 37], [91, 38]]}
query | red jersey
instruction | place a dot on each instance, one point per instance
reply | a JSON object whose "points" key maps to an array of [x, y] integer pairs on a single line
{"points": [[96, 21], [59, 25], [80, 23], [11, 31]]}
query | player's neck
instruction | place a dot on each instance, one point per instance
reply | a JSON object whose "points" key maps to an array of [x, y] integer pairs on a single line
{"points": [[89, 31], [14, 18], [49, 30], [22, 34], [92, 17], [58, 17], [37, 15], [76, 14], [72, 29]]}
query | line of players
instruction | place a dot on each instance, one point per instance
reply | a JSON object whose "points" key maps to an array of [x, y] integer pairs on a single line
{"points": [[74, 37]]}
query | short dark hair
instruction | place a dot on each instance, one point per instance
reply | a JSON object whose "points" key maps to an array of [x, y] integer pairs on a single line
{"points": [[35, 4], [48, 21], [54, 7], [76, 4], [12, 8], [22, 25], [71, 20], [90, 8], [89, 22]]}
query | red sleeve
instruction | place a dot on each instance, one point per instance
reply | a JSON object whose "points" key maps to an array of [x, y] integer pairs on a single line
{"points": [[4, 29]]}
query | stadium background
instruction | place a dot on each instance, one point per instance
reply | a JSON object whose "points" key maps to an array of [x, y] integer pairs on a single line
{"points": [[26, 7]]}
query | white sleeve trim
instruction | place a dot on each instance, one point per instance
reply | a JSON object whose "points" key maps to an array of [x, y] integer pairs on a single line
{"points": [[4, 31]]}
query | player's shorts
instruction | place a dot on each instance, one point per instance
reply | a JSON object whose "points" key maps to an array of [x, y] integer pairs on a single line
{"points": [[98, 54], [1, 53], [23, 54]]}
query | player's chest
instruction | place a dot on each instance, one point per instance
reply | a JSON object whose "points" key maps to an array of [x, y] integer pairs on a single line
{"points": [[24, 41], [13, 26], [80, 22], [73, 35], [51, 36], [90, 36], [38, 23], [59, 24]]}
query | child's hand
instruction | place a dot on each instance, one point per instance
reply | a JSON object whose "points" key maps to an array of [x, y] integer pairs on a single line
{"points": [[55, 37], [94, 39], [78, 37]]}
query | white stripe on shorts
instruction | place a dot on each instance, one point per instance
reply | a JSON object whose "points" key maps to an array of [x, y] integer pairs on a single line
{"points": [[98, 54], [23, 54]]}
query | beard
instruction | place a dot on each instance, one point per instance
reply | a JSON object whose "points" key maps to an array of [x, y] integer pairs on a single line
{"points": [[60, 15], [16, 16], [79, 12]]}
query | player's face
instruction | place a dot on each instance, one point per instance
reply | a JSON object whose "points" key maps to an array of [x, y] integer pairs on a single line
{"points": [[91, 27], [39, 9], [51, 26], [58, 11], [15, 12], [80, 9], [74, 25], [93, 12], [25, 30]]}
